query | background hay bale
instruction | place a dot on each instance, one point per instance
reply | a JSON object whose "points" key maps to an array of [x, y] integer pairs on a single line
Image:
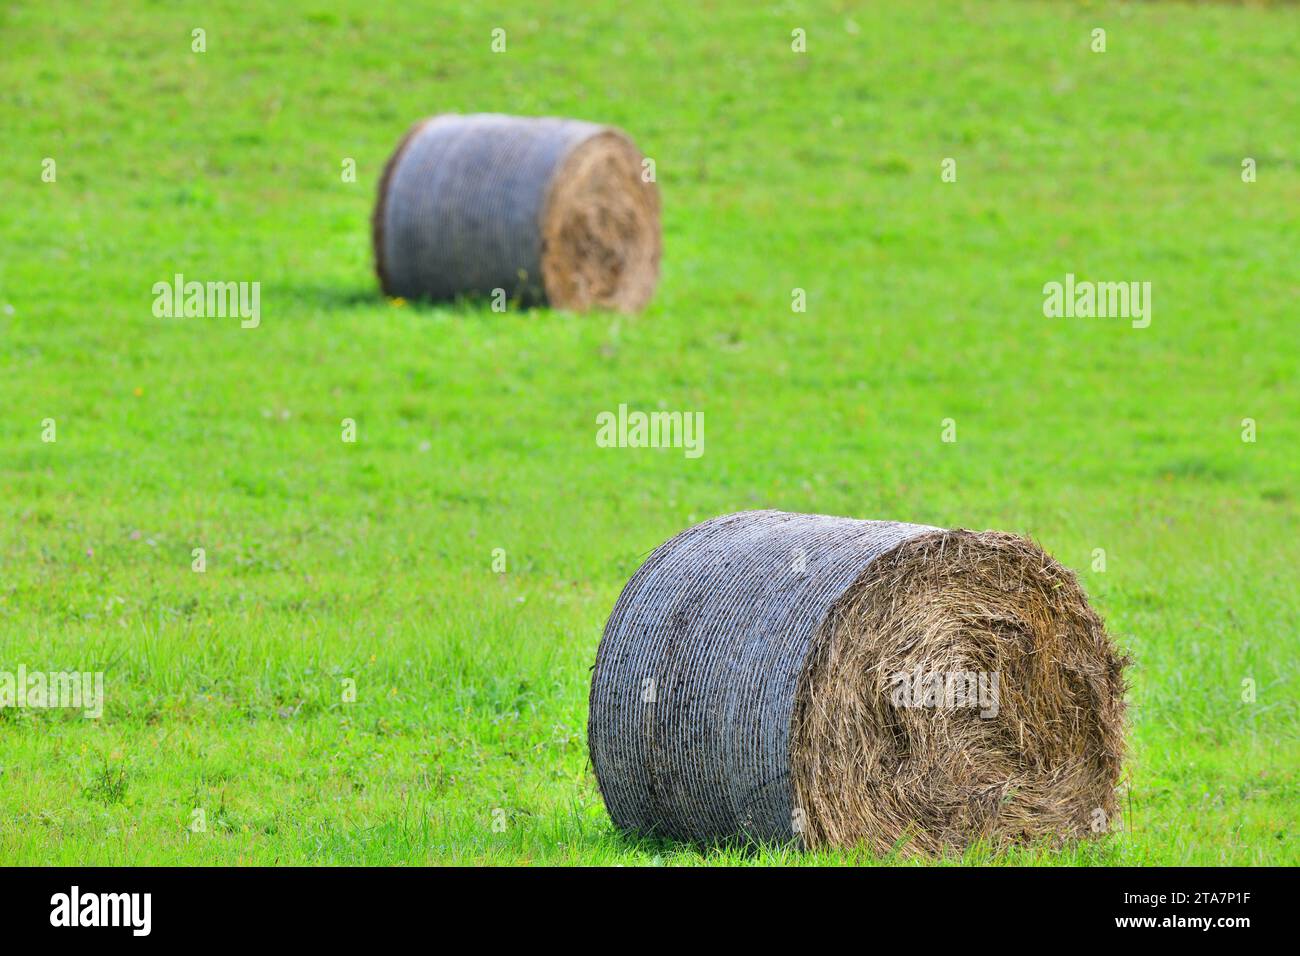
{"points": [[550, 210], [743, 689]]}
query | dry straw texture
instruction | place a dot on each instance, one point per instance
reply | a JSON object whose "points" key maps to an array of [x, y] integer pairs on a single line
{"points": [[549, 210], [746, 687]]}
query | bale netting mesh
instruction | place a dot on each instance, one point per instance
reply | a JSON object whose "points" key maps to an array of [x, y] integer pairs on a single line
{"points": [[778, 677], [551, 211]]}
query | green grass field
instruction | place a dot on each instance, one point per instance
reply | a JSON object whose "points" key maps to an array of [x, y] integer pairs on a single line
{"points": [[372, 561]]}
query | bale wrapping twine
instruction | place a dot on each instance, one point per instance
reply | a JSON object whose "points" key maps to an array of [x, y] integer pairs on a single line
{"points": [[746, 687], [549, 210]]}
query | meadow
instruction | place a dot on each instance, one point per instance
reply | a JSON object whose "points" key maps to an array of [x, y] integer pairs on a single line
{"points": [[228, 735]]}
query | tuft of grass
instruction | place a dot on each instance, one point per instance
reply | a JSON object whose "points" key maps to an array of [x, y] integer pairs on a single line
{"points": [[107, 785]]}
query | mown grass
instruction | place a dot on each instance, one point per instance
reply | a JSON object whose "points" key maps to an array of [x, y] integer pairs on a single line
{"points": [[372, 561]]}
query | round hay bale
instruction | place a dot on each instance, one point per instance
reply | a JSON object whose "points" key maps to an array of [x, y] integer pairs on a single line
{"points": [[759, 677], [549, 210]]}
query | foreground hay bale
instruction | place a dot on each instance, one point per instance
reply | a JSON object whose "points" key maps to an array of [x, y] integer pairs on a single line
{"points": [[764, 676], [549, 210]]}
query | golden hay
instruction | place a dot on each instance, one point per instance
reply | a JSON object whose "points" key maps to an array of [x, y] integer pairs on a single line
{"points": [[953, 602]]}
